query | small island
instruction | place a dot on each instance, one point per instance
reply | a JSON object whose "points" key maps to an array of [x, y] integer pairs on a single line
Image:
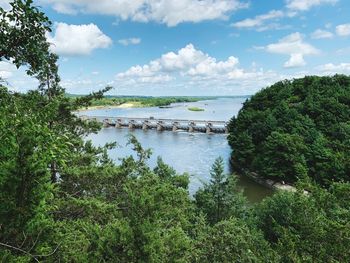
{"points": [[195, 109]]}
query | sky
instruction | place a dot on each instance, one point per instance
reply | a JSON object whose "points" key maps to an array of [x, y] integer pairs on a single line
{"points": [[190, 47]]}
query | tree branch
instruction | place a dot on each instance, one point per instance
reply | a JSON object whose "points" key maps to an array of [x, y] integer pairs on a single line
{"points": [[19, 249], [35, 257]]}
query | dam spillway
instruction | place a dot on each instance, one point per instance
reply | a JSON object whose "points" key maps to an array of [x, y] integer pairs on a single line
{"points": [[161, 124]]}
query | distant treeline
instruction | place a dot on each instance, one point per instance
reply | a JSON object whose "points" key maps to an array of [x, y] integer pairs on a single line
{"points": [[143, 101], [148, 101]]}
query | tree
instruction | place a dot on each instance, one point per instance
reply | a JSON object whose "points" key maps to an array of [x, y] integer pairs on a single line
{"points": [[307, 228], [39, 129], [167, 173], [284, 157], [27, 147], [220, 199], [22, 35], [233, 241]]}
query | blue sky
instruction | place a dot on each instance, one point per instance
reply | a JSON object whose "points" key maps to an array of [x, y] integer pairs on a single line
{"points": [[191, 47]]}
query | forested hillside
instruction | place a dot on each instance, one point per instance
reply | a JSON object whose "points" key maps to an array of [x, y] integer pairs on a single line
{"points": [[294, 130], [64, 200]]}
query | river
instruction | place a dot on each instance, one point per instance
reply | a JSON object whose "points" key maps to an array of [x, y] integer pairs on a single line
{"points": [[193, 153]]}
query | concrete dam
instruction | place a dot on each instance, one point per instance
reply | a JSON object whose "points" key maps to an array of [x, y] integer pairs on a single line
{"points": [[159, 124]]}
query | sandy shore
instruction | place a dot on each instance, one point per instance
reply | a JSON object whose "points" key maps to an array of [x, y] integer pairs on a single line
{"points": [[128, 105], [121, 106]]}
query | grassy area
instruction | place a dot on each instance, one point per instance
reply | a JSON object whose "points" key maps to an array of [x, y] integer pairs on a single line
{"points": [[195, 109]]}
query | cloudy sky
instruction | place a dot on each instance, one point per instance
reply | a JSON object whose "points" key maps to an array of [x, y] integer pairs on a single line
{"points": [[191, 47]]}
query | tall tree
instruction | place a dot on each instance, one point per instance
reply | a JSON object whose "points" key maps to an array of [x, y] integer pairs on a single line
{"points": [[221, 198]]}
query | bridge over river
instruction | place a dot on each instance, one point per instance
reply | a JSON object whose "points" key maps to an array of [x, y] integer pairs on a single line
{"points": [[204, 126]]}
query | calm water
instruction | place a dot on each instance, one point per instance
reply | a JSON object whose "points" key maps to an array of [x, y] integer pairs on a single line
{"points": [[186, 152], [221, 109]]}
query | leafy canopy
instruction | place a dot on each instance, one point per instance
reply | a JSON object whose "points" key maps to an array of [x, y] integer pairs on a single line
{"points": [[295, 129]]}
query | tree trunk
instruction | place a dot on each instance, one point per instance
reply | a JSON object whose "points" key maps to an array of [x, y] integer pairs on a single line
{"points": [[53, 172]]}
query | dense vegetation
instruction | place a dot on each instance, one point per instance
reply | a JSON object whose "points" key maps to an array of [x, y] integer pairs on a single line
{"points": [[295, 129], [64, 200], [142, 101]]}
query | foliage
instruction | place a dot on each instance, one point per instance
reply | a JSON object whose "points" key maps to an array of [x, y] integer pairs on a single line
{"points": [[221, 199], [295, 129], [22, 35], [195, 109], [100, 211], [27, 146], [64, 200], [308, 228], [234, 241]]}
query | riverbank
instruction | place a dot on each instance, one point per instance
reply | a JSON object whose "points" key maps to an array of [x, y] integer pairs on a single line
{"points": [[126, 105], [111, 102], [271, 184]]}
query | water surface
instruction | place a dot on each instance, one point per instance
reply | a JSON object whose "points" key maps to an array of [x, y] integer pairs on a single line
{"points": [[193, 153], [219, 109]]}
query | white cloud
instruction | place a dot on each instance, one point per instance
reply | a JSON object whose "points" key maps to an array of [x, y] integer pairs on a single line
{"points": [[73, 40], [210, 67], [6, 69], [192, 69], [159, 69], [330, 68], [295, 60], [293, 7], [343, 30], [129, 41], [304, 5], [169, 12], [320, 34], [5, 4], [149, 73], [294, 46], [259, 20], [188, 61], [63, 8], [273, 26], [16, 79], [183, 60]]}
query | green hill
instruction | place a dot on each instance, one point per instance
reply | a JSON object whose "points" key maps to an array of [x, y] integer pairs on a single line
{"points": [[295, 129]]}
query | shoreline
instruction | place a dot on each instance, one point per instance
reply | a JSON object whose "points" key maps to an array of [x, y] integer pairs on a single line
{"points": [[126, 105], [144, 104], [271, 184]]}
